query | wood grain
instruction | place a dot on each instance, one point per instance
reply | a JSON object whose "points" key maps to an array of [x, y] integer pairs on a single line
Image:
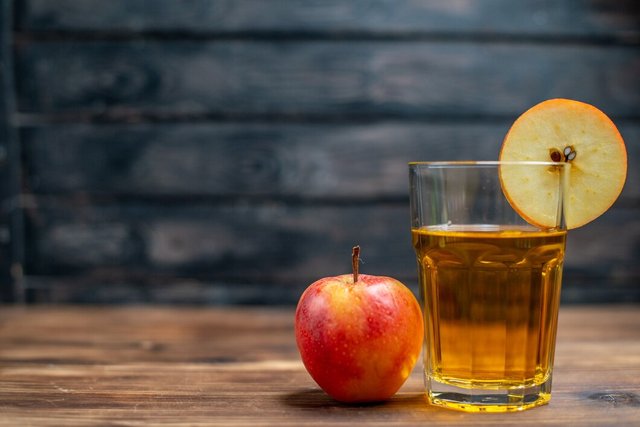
{"points": [[151, 245], [132, 365], [232, 241], [11, 225], [355, 161], [227, 238], [215, 151], [559, 18], [320, 78], [6, 133], [305, 160]]}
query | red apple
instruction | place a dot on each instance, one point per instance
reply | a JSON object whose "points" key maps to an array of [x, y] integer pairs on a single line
{"points": [[359, 336]]}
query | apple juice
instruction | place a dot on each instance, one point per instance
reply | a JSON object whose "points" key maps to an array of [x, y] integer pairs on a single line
{"points": [[491, 298]]}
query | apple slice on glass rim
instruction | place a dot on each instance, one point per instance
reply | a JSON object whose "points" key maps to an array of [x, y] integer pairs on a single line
{"points": [[564, 130]]}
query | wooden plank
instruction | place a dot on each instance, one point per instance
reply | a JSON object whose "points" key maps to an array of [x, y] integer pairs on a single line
{"points": [[268, 252], [281, 393], [86, 366], [160, 334], [6, 281], [598, 250], [11, 225], [151, 339], [125, 287], [353, 161], [309, 160], [264, 242], [561, 17], [170, 79], [579, 287]]}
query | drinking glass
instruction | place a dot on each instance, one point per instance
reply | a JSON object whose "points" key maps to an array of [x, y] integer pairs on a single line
{"points": [[489, 284]]}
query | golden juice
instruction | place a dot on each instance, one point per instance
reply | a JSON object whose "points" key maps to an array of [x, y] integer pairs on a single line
{"points": [[491, 297]]}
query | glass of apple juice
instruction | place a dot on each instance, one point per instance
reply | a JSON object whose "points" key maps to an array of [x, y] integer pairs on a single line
{"points": [[489, 282]]}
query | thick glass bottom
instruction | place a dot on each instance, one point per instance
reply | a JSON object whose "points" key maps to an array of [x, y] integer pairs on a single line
{"points": [[488, 399]]}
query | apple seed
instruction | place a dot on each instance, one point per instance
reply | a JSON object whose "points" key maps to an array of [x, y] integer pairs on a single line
{"points": [[569, 153], [555, 154]]}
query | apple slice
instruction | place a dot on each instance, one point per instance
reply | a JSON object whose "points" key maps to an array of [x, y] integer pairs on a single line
{"points": [[563, 130]]}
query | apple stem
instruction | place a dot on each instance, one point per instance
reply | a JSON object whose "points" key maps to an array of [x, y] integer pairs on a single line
{"points": [[355, 260]]}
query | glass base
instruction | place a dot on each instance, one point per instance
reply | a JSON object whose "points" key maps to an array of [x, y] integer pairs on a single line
{"points": [[488, 399]]}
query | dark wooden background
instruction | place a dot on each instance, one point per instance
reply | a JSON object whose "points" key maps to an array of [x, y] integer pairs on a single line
{"points": [[233, 151]]}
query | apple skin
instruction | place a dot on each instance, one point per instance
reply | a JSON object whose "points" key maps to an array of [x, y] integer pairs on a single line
{"points": [[359, 341]]}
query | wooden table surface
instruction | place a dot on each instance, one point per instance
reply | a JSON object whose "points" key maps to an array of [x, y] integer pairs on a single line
{"points": [[68, 366]]}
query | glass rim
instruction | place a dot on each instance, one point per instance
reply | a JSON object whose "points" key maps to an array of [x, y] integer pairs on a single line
{"points": [[467, 163]]}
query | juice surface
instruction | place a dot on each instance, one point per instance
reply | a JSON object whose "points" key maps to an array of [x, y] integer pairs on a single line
{"points": [[491, 297]]}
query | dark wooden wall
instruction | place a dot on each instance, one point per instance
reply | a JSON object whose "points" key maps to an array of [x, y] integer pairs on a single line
{"points": [[233, 151]]}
